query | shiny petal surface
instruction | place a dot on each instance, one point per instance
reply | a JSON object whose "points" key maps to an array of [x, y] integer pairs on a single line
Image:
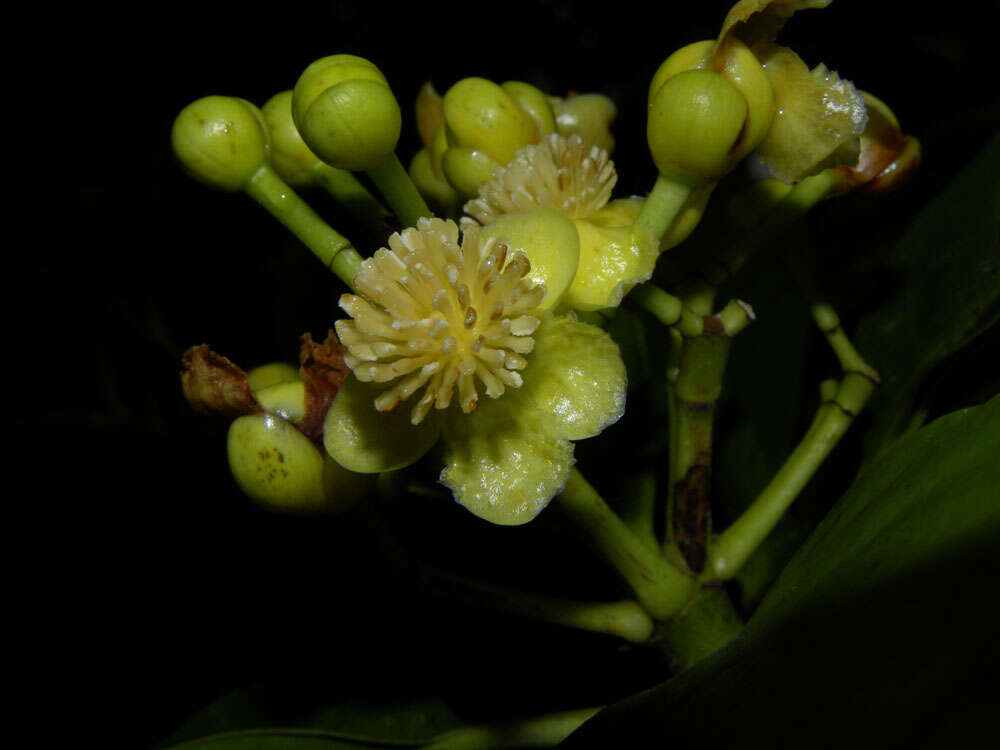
{"points": [[501, 466]]}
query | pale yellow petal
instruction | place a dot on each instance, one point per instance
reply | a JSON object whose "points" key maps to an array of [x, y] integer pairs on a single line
{"points": [[364, 440], [500, 466]]}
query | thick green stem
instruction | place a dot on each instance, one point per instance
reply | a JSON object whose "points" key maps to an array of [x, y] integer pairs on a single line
{"points": [[666, 308], [541, 731], [694, 387], [625, 619], [348, 192], [796, 203], [638, 510], [392, 180], [841, 404], [661, 588], [659, 210], [332, 248], [705, 625]]}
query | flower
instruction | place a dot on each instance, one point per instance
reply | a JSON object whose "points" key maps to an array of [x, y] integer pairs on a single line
{"points": [[442, 318], [576, 179]]}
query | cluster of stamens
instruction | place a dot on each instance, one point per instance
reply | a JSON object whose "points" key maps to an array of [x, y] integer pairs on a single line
{"points": [[440, 314], [557, 172]]}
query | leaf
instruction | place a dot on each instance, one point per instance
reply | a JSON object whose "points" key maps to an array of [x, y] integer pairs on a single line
{"points": [[876, 632], [948, 271], [276, 739], [359, 717]]}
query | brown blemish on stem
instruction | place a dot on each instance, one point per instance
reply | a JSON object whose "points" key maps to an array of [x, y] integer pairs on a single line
{"points": [[692, 514]]}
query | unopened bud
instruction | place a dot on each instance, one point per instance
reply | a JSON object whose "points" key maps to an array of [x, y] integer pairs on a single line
{"points": [[221, 141], [346, 113]]}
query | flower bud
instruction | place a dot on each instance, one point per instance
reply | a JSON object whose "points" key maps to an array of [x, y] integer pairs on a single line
{"points": [[589, 116], [221, 141], [435, 190], [429, 109], [290, 156], [287, 400], [346, 113], [535, 103], [279, 467], [270, 374], [467, 169], [737, 64], [480, 116], [695, 123]]}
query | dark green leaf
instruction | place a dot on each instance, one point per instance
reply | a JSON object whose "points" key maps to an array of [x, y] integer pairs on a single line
{"points": [[943, 290], [275, 739], [876, 632], [358, 716]]}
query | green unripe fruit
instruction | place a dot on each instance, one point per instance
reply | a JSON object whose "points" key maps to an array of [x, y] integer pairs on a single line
{"points": [[535, 103], [481, 116], [290, 156], [346, 112], [221, 141], [694, 125], [278, 466]]}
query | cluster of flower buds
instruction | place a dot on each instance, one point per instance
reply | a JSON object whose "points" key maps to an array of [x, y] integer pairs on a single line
{"points": [[440, 319]]}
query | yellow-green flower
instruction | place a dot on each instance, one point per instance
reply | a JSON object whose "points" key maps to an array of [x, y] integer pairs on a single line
{"points": [[443, 321], [576, 179]]}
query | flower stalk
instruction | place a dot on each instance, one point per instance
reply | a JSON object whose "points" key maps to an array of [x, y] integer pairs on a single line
{"points": [[333, 249]]}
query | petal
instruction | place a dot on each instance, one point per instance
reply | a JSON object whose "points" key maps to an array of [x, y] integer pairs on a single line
{"points": [[364, 440], [575, 381], [761, 20], [818, 117], [549, 239], [500, 465], [611, 263]]}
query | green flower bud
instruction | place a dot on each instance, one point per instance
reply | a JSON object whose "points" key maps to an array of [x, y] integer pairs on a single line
{"points": [[467, 169], [589, 116], [270, 374], [535, 103], [436, 190], [738, 65], [221, 141], [346, 113], [287, 400], [694, 56], [695, 122], [290, 156], [481, 116], [279, 467]]}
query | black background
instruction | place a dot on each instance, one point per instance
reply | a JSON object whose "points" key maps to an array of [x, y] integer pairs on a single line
{"points": [[166, 587]]}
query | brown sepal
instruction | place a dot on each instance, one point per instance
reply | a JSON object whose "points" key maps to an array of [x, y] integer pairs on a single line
{"points": [[323, 370], [214, 385]]}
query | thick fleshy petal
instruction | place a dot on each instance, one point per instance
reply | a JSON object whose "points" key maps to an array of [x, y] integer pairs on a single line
{"points": [[500, 465], [575, 381], [818, 117], [364, 440], [611, 263]]}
